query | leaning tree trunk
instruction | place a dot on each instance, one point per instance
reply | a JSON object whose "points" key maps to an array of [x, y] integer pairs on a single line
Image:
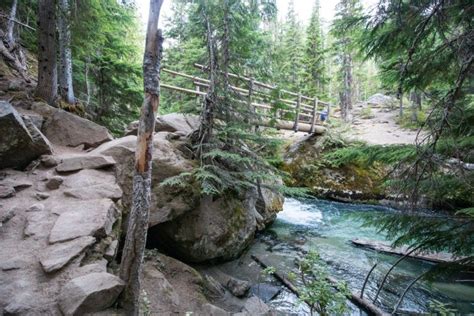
{"points": [[132, 256], [65, 70], [47, 71]]}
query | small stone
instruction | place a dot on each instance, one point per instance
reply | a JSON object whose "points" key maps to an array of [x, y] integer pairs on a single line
{"points": [[90, 293], [255, 306], [54, 183], [57, 256], [49, 161], [6, 191], [38, 207], [6, 215], [111, 250], [96, 267], [265, 291], [41, 196], [237, 287]]}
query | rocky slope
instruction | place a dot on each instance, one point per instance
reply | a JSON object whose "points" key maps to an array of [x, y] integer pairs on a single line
{"points": [[63, 208]]}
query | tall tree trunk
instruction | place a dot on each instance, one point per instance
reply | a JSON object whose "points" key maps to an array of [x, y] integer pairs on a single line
{"points": [[207, 113], [132, 256], [65, 71], [11, 25], [400, 102], [346, 94], [415, 99], [47, 67]]}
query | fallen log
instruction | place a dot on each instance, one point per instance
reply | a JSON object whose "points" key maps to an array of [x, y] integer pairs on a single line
{"points": [[403, 251], [367, 306]]}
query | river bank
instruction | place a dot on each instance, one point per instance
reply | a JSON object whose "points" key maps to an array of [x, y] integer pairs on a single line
{"points": [[328, 227]]}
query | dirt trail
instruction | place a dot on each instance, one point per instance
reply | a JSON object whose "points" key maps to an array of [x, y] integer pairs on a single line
{"points": [[381, 129]]}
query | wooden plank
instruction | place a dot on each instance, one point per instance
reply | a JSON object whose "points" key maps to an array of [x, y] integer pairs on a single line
{"points": [[313, 120], [297, 114], [167, 86], [195, 78]]}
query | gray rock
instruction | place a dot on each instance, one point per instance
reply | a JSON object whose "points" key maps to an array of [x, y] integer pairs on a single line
{"points": [[92, 184], [13, 264], [111, 250], [20, 141], [50, 161], [163, 291], [89, 293], [54, 183], [84, 218], [213, 310], [40, 196], [85, 162], [96, 267], [172, 122], [38, 207], [6, 215], [36, 119], [6, 191], [265, 291], [168, 161], [58, 255], [37, 224], [67, 129], [255, 306], [237, 287]]}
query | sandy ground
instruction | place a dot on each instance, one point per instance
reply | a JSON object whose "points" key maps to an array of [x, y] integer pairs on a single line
{"points": [[381, 129]]}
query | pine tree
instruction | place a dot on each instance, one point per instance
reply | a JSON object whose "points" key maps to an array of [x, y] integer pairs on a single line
{"points": [[65, 56], [348, 11], [293, 47], [314, 59]]}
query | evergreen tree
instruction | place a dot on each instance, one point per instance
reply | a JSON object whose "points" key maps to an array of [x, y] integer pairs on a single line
{"points": [[314, 59], [348, 11], [293, 48]]}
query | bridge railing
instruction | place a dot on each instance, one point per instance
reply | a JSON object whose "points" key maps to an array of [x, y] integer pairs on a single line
{"points": [[307, 111]]}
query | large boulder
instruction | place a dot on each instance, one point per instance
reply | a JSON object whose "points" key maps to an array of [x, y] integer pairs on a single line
{"points": [[20, 140], [215, 229], [67, 129], [168, 161], [190, 227], [173, 122]]}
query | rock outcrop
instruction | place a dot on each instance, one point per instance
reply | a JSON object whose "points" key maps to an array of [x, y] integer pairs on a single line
{"points": [[190, 227], [172, 122], [20, 140], [66, 129]]}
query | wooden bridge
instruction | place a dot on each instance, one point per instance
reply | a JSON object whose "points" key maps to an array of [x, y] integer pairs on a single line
{"points": [[298, 113]]}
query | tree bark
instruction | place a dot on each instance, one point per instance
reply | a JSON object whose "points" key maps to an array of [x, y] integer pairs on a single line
{"points": [[132, 256], [414, 98], [47, 66], [65, 71], [11, 25], [346, 94]]}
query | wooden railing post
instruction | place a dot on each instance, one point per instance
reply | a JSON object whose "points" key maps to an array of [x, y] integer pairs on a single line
{"points": [[329, 112], [297, 116], [198, 98], [315, 115]]}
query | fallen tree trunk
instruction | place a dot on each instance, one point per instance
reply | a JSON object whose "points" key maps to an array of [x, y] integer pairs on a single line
{"points": [[403, 251], [367, 306]]}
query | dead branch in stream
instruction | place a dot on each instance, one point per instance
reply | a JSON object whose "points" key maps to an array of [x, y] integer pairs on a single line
{"points": [[367, 306]]}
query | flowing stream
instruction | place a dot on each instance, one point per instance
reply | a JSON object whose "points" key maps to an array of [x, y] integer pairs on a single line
{"points": [[328, 227]]}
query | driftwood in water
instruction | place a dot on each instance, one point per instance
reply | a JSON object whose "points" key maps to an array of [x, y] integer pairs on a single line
{"points": [[403, 251], [367, 306]]}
